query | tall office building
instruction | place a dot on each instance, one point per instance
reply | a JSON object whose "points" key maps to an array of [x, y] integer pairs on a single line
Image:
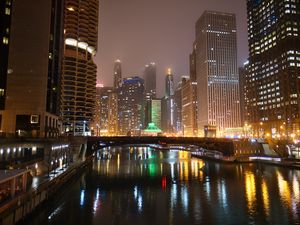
{"points": [[156, 112], [242, 78], [168, 109], [131, 105], [189, 100], [102, 110], [117, 74], [189, 108], [33, 85], [79, 70], [150, 89], [178, 125], [150, 79], [5, 18], [113, 113], [216, 70], [272, 80]]}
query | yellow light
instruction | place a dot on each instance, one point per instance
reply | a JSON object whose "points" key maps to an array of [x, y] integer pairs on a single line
{"points": [[169, 71]]}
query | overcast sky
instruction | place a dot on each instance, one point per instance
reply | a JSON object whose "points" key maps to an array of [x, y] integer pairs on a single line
{"points": [[161, 31]]}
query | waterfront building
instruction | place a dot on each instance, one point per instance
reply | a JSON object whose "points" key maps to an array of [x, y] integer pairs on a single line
{"points": [[272, 80], [5, 18], [216, 71], [34, 68], [79, 71], [131, 106]]}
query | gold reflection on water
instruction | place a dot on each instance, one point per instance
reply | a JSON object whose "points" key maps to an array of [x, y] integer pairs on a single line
{"points": [[183, 155], [131, 150], [250, 189], [296, 189], [284, 190], [197, 165], [118, 162], [265, 195]]}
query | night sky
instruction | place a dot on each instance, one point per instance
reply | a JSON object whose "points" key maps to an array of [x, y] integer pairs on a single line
{"points": [[160, 31]]}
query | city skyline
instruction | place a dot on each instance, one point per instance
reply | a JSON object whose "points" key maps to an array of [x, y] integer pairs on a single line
{"points": [[165, 44]]}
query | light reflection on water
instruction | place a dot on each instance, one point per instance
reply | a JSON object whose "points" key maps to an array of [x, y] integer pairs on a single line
{"points": [[144, 186]]}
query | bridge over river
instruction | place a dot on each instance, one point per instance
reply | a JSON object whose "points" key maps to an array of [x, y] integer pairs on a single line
{"points": [[227, 148]]}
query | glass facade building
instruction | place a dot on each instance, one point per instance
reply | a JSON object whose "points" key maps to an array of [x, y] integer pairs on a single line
{"points": [[273, 72]]}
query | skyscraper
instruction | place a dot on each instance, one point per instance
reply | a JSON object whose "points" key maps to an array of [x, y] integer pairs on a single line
{"points": [[273, 89], [113, 113], [216, 70], [79, 69], [150, 90], [156, 112], [168, 110], [102, 111], [189, 108], [5, 18], [117, 74], [33, 85], [131, 105], [150, 79]]}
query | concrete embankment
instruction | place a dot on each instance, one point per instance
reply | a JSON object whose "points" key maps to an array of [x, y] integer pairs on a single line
{"points": [[23, 205]]}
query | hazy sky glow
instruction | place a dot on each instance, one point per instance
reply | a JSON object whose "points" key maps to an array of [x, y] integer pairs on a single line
{"points": [[160, 31]]}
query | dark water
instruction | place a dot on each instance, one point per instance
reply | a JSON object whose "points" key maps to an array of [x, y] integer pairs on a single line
{"points": [[144, 186]]}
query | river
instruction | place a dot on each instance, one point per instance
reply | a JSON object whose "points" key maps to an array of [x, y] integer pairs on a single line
{"points": [[139, 185]]}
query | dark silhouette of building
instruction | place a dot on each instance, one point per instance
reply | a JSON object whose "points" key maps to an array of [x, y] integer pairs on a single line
{"points": [[150, 90], [33, 85], [117, 74], [5, 18]]}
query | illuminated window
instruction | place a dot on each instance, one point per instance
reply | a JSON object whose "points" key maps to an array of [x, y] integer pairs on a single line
{"points": [[34, 119], [5, 40], [7, 11], [1, 92]]}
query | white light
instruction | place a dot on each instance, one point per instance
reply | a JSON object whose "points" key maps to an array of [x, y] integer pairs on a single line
{"points": [[82, 45], [8, 150], [1, 151]]}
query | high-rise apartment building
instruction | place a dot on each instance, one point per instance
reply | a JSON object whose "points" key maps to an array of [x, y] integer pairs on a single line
{"points": [[5, 18], [33, 81], [131, 105], [79, 70], [117, 74], [272, 82], [216, 70]]}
